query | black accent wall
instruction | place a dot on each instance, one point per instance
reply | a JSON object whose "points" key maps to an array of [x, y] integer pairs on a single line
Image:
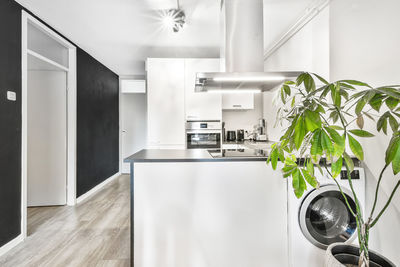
{"points": [[10, 121], [97, 116], [98, 122]]}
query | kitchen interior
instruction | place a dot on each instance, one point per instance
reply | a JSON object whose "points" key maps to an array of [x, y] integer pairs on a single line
{"points": [[139, 134]]}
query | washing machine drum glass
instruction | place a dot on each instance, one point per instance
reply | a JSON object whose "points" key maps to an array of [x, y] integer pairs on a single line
{"points": [[325, 218]]}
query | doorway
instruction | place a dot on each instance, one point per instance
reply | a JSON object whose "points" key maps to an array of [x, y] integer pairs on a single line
{"points": [[133, 119], [47, 137], [48, 118]]}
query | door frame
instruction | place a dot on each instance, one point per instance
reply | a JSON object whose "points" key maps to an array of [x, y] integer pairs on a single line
{"points": [[71, 115]]}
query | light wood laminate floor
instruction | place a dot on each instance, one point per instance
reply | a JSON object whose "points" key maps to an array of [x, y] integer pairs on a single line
{"points": [[93, 233]]}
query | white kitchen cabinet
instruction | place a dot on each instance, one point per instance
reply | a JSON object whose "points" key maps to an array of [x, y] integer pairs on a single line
{"points": [[201, 106], [165, 103], [240, 101]]}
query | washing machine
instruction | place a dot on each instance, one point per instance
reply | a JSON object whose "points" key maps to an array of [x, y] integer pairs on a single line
{"points": [[321, 217]]}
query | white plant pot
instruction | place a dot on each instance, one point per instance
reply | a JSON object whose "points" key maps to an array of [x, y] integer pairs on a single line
{"points": [[343, 255]]}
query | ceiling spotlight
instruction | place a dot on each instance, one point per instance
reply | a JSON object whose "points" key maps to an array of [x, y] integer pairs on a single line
{"points": [[174, 19]]}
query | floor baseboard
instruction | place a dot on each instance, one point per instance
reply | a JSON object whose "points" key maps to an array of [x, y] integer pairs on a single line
{"points": [[10, 245], [97, 188]]}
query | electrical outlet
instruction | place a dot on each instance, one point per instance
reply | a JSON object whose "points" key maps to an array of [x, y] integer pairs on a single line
{"points": [[12, 96]]}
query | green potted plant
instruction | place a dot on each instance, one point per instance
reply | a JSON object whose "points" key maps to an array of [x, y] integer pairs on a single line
{"points": [[321, 121]]}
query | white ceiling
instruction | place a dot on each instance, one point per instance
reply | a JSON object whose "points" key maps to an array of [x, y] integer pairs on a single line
{"points": [[123, 33]]}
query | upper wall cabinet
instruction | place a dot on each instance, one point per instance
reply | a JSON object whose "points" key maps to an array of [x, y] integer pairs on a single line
{"points": [[237, 101], [165, 103], [201, 106]]}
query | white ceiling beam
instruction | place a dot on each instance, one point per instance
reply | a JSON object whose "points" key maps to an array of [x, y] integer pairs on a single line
{"points": [[308, 15]]}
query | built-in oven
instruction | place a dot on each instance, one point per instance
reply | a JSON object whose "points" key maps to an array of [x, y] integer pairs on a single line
{"points": [[203, 134]]}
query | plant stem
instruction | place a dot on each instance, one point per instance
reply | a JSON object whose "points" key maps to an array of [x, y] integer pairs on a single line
{"points": [[377, 192], [343, 194], [386, 205], [359, 213]]}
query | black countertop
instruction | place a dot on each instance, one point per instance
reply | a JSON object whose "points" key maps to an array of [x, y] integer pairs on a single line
{"points": [[182, 155], [197, 155]]}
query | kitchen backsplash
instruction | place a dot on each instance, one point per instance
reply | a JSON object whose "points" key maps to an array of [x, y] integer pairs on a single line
{"points": [[239, 119]]}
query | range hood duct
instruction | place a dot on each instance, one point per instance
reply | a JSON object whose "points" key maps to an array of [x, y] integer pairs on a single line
{"points": [[242, 52]]}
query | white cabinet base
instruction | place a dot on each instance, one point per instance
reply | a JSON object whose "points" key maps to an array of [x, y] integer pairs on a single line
{"points": [[225, 214]]}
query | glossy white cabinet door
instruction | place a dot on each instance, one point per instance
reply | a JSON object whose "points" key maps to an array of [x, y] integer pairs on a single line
{"points": [[165, 102], [201, 106], [238, 101]]}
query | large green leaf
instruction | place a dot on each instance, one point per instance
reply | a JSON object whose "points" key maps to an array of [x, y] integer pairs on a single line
{"points": [[316, 146], [310, 167], [311, 180], [393, 92], [335, 127], [392, 149], [320, 78], [337, 167], [349, 161], [376, 102], [298, 183], [286, 88], [299, 132], [309, 83], [361, 133], [382, 122], [347, 86], [274, 158], [312, 119], [334, 116], [354, 82], [300, 78], [339, 142], [289, 132], [356, 148], [338, 97], [393, 123], [396, 160], [360, 105], [363, 101], [336, 137], [326, 143], [326, 90], [392, 102]]}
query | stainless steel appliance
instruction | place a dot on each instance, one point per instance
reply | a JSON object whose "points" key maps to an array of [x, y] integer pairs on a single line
{"points": [[243, 50], [231, 136], [261, 131], [240, 135], [203, 134]]}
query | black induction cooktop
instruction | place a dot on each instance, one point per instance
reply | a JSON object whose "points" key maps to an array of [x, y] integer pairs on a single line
{"points": [[237, 153]]}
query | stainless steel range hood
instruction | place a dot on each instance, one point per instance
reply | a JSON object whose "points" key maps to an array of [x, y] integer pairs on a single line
{"points": [[241, 81], [242, 52]]}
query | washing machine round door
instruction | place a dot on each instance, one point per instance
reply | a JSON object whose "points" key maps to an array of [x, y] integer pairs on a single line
{"points": [[324, 217]]}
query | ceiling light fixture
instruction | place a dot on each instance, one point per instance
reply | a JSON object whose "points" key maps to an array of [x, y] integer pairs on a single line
{"points": [[174, 19]]}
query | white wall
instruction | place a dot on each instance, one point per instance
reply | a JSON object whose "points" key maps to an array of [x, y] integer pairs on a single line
{"points": [[308, 50], [365, 44], [356, 39], [134, 122]]}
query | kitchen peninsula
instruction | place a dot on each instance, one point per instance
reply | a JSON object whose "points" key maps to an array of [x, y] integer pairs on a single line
{"points": [[194, 208]]}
